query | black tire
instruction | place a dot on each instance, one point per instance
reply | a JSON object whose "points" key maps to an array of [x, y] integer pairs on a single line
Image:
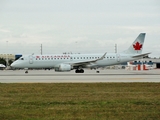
{"points": [[81, 71], [76, 71]]}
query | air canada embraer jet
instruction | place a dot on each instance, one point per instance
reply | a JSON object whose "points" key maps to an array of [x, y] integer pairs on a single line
{"points": [[68, 62]]}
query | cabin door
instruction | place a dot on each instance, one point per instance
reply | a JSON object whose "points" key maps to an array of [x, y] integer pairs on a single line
{"points": [[31, 59], [118, 58]]}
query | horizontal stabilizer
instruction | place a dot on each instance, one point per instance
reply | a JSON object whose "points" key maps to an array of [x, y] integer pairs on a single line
{"points": [[141, 55]]}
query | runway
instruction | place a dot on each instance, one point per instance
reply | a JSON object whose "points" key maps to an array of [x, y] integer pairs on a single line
{"points": [[90, 76]]}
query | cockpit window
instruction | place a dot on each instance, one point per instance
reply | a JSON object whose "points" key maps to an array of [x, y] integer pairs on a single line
{"points": [[21, 58]]}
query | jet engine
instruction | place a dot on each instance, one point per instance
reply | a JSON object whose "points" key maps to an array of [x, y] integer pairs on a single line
{"points": [[63, 67]]}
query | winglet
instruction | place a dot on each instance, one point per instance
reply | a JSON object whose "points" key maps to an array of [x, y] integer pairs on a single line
{"points": [[102, 57]]}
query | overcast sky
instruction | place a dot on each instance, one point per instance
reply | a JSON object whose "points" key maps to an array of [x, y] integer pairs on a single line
{"points": [[78, 26]]}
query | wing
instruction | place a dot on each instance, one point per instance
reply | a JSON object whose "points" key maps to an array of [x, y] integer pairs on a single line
{"points": [[87, 62]]}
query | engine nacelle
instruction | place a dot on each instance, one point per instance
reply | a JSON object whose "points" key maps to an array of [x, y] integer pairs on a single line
{"points": [[63, 67]]}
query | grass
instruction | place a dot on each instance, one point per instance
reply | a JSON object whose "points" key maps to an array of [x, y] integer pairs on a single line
{"points": [[80, 101]]}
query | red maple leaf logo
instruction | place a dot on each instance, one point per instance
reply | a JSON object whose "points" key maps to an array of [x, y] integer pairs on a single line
{"points": [[137, 46]]}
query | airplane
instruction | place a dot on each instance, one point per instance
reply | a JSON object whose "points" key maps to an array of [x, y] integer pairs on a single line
{"points": [[68, 62], [2, 66]]}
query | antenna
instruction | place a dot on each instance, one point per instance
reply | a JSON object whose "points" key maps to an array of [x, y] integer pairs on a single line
{"points": [[41, 49], [115, 48], [7, 54]]}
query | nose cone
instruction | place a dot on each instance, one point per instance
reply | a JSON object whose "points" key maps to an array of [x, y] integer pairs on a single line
{"points": [[13, 64], [18, 64]]}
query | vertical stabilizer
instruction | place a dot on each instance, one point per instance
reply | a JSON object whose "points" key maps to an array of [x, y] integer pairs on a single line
{"points": [[137, 45]]}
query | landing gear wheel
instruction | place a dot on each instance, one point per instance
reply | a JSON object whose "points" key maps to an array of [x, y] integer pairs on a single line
{"points": [[79, 71], [26, 71]]}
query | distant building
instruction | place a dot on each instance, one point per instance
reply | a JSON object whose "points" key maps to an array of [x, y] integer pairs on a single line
{"points": [[149, 61], [10, 56], [152, 61]]}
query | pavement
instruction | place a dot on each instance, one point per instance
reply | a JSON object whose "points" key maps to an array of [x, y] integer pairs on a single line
{"points": [[90, 76]]}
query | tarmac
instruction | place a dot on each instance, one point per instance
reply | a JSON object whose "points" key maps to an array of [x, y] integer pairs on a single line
{"points": [[90, 76]]}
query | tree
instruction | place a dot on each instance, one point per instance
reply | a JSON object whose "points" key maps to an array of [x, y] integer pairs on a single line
{"points": [[3, 61], [10, 62]]}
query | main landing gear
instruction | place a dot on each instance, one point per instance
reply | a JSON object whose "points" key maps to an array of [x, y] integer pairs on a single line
{"points": [[26, 70], [79, 71]]}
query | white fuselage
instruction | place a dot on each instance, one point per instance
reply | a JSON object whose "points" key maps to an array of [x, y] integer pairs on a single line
{"points": [[53, 60]]}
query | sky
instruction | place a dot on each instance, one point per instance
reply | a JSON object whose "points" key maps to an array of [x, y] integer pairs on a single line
{"points": [[78, 26]]}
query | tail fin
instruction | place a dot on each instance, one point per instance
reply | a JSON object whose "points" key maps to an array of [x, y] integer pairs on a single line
{"points": [[137, 45]]}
